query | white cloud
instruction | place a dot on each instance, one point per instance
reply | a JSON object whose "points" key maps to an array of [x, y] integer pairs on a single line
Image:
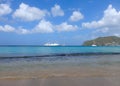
{"points": [[43, 27], [7, 28], [22, 31], [66, 27], [116, 34], [76, 16], [27, 13], [5, 9], [109, 23], [48, 27], [57, 11]]}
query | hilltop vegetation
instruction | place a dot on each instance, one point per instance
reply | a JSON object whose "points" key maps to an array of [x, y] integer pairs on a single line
{"points": [[104, 41]]}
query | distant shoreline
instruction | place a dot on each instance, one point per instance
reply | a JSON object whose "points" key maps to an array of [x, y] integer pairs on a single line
{"points": [[52, 46]]}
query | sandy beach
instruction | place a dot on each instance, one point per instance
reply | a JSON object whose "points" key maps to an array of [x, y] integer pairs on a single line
{"points": [[85, 76], [64, 81]]}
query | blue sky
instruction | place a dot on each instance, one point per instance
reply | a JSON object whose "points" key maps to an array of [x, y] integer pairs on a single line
{"points": [[68, 22]]}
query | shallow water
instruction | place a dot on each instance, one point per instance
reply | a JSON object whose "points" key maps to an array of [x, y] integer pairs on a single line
{"points": [[41, 50], [27, 60]]}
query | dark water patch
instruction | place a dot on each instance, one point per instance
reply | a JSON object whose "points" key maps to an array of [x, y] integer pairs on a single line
{"points": [[59, 55]]}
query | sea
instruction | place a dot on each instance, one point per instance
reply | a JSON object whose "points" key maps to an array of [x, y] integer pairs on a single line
{"points": [[28, 58]]}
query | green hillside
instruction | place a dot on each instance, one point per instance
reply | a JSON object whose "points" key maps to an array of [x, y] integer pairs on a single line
{"points": [[103, 41]]}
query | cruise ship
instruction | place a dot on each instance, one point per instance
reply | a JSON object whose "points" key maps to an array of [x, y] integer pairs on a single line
{"points": [[94, 45], [51, 44]]}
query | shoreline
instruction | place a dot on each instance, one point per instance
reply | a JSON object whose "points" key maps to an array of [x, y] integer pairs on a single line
{"points": [[82, 72], [69, 74], [63, 81]]}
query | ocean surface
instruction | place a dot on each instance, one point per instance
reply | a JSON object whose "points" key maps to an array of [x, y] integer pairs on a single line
{"points": [[28, 58], [11, 51]]}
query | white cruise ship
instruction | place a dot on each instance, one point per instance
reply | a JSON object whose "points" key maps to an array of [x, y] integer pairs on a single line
{"points": [[94, 45], [51, 44]]}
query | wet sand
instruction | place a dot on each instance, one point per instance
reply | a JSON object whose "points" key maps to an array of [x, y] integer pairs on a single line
{"points": [[63, 77], [64, 81]]}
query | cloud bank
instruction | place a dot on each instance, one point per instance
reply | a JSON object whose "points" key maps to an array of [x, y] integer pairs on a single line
{"points": [[28, 13], [42, 27], [109, 23]]}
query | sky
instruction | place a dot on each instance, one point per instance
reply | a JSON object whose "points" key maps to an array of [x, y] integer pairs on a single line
{"points": [[66, 22]]}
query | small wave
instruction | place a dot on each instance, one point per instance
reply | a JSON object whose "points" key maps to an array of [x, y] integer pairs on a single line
{"points": [[57, 55]]}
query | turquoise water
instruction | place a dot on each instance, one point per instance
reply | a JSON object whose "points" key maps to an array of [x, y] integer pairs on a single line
{"points": [[40, 50], [26, 58]]}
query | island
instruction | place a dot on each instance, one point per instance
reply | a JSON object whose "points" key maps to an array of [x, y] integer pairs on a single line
{"points": [[103, 41]]}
